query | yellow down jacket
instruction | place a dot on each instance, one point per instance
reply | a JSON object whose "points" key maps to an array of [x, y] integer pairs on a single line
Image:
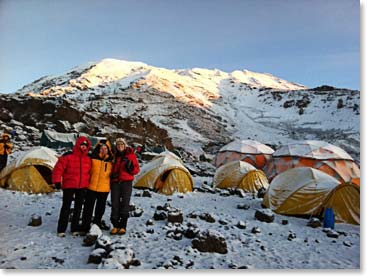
{"points": [[101, 171]]}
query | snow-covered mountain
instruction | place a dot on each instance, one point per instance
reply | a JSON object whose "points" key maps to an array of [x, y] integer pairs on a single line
{"points": [[197, 110]]}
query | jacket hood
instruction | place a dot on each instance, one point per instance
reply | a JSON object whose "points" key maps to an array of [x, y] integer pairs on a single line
{"points": [[80, 141]]}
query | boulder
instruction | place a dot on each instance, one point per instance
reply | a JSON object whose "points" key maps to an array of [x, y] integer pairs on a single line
{"points": [[175, 216], [35, 220], [96, 256], [207, 217], [160, 215], [210, 241], [261, 192], [265, 215], [314, 223]]}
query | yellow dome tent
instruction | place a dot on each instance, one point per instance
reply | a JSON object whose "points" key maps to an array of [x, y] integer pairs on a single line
{"points": [[240, 175], [165, 174], [31, 172], [308, 191]]}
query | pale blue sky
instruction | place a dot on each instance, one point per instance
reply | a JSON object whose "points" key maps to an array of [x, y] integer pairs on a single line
{"points": [[305, 41]]}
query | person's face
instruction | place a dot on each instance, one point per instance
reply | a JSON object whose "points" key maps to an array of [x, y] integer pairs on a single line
{"points": [[103, 150], [120, 147], [83, 147]]}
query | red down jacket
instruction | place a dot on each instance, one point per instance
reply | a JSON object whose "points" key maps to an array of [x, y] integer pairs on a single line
{"points": [[119, 167], [73, 169]]}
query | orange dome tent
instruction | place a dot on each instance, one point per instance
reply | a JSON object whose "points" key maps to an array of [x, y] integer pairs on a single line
{"points": [[250, 151], [315, 154]]}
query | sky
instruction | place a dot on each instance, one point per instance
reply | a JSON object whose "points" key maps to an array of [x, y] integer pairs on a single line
{"points": [[308, 42]]}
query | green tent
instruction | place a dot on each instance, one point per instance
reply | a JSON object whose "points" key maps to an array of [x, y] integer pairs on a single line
{"points": [[56, 140]]}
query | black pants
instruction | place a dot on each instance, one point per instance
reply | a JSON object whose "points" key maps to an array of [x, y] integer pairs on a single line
{"points": [[120, 199], [69, 195], [90, 200], [3, 161]]}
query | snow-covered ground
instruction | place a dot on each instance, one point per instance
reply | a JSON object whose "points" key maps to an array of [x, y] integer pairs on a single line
{"points": [[27, 247]]}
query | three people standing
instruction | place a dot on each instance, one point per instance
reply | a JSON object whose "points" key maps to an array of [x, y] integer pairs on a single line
{"points": [[89, 179]]}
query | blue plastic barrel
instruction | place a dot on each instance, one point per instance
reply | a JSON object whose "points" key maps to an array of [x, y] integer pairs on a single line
{"points": [[329, 219]]}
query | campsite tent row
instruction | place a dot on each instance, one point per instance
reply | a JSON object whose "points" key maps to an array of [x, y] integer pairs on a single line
{"points": [[303, 191], [309, 153]]}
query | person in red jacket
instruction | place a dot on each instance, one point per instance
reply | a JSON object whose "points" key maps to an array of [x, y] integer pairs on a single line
{"points": [[126, 165], [72, 174]]}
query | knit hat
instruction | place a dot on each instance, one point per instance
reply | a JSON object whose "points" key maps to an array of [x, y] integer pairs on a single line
{"points": [[120, 141]]}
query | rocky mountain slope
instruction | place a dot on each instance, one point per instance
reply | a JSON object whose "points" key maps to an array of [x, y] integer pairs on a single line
{"points": [[193, 110]]}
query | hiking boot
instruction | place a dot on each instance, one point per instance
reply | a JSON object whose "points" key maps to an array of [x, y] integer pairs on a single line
{"points": [[103, 225], [122, 231], [61, 235], [78, 233], [114, 231]]}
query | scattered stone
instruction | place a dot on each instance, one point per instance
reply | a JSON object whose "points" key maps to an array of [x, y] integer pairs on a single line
{"points": [[149, 222], [314, 223], [225, 193], [137, 212], [265, 215], [210, 241], [104, 242], [222, 222], [241, 193], [291, 236], [150, 230], [261, 192], [241, 224], [191, 231], [23, 258], [57, 260], [96, 256], [255, 230], [35, 220], [243, 206], [124, 256], [189, 264], [192, 215], [332, 234], [160, 215], [146, 193], [90, 240], [207, 217], [284, 222], [347, 243], [175, 216], [263, 248]]}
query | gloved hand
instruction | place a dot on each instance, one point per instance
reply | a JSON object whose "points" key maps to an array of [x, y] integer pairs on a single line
{"points": [[57, 185], [129, 166]]}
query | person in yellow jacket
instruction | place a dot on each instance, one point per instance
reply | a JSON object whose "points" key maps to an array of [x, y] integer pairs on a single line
{"points": [[6, 148], [99, 186]]}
